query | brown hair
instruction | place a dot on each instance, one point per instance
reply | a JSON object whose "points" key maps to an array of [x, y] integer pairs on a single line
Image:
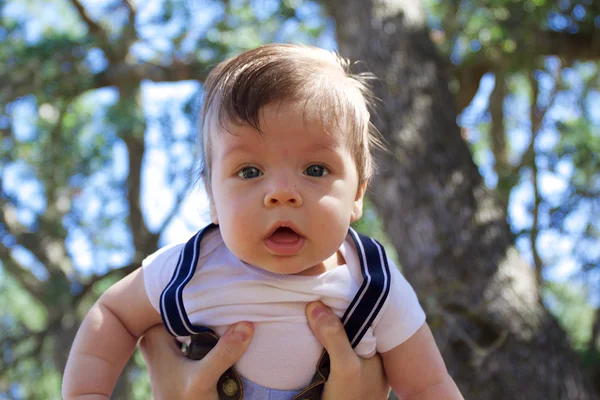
{"points": [[237, 89]]}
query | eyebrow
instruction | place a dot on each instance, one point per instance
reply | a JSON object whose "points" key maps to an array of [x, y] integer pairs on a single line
{"points": [[322, 147], [236, 149], [319, 147]]}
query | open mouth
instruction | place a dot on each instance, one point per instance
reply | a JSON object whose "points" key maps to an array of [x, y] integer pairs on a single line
{"points": [[285, 241], [284, 234]]}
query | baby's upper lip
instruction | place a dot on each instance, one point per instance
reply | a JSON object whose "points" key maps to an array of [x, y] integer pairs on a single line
{"points": [[284, 224]]}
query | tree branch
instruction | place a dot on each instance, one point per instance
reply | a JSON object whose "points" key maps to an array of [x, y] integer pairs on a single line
{"points": [[129, 34], [497, 129], [32, 353], [133, 135], [537, 117], [568, 47], [37, 337], [533, 234], [176, 207], [595, 339], [93, 27], [468, 77], [23, 276], [20, 233], [137, 224], [95, 30], [117, 272], [132, 12], [178, 70], [116, 75]]}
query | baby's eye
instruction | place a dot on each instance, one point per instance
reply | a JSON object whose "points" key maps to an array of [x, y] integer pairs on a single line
{"points": [[317, 171], [249, 173]]}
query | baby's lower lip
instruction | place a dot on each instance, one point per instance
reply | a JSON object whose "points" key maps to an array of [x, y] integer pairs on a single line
{"points": [[287, 248]]}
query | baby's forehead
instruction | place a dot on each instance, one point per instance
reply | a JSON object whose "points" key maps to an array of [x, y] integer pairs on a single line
{"points": [[299, 112], [285, 120]]}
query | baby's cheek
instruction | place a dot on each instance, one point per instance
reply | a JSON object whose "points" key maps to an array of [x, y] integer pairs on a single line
{"points": [[336, 209], [232, 235]]}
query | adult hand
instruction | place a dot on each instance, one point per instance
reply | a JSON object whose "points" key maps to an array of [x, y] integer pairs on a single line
{"points": [[174, 376], [350, 377]]}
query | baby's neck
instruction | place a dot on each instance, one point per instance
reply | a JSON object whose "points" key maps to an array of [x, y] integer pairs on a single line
{"points": [[332, 262]]}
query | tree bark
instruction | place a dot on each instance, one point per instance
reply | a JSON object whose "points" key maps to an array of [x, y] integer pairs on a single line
{"points": [[451, 233]]}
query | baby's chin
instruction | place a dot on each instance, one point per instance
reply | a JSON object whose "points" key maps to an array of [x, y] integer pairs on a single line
{"points": [[295, 265], [282, 265]]}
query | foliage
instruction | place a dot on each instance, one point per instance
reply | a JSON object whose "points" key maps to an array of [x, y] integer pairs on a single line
{"points": [[97, 126], [569, 303], [77, 124], [370, 224], [538, 145]]}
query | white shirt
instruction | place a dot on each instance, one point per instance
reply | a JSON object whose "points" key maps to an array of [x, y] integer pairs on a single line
{"points": [[283, 353]]}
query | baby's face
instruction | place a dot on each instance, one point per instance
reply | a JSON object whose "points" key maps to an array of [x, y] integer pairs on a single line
{"points": [[284, 200]]}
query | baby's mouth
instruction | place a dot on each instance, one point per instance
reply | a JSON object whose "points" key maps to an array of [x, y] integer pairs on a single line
{"points": [[284, 235], [285, 241]]}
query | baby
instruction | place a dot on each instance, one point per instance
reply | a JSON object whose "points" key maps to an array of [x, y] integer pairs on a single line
{"points": [[287, 148]]}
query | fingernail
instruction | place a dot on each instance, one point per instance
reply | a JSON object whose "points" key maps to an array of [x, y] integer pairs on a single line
{"points": [[241, 332], [319, 312]]}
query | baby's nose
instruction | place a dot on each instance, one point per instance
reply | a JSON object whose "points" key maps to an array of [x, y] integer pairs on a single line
{"points": [[283, 195]]}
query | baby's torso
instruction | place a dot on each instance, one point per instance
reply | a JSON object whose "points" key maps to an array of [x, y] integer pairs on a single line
{"points": [[283, 352], [201, 283]]}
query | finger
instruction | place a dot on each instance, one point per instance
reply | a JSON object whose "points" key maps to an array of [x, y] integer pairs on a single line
{"points": [[164, 361], [230, 347], [157, 343], [328, 328]]}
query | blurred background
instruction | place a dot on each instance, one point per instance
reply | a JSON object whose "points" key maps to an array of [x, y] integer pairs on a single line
{"points": [[488, 197]]}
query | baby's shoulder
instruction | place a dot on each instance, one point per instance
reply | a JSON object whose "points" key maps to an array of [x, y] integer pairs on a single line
{"points": [[365, 255], [164, 255], [170, 254]]}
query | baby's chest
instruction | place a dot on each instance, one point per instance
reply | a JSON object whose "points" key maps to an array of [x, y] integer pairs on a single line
{"points": [[210, 302]]}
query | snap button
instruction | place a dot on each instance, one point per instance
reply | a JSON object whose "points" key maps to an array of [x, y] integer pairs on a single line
{"points": [[230, 387]]}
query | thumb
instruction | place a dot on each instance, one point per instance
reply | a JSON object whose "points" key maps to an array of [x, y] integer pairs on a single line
{"points": [[230, 347], [328, 328]]}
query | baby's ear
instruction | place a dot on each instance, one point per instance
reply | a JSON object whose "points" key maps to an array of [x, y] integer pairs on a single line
{"points": [[357, 209]]}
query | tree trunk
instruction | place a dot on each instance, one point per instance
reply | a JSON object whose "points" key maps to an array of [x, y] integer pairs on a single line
{"points": [[453, 241]]}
